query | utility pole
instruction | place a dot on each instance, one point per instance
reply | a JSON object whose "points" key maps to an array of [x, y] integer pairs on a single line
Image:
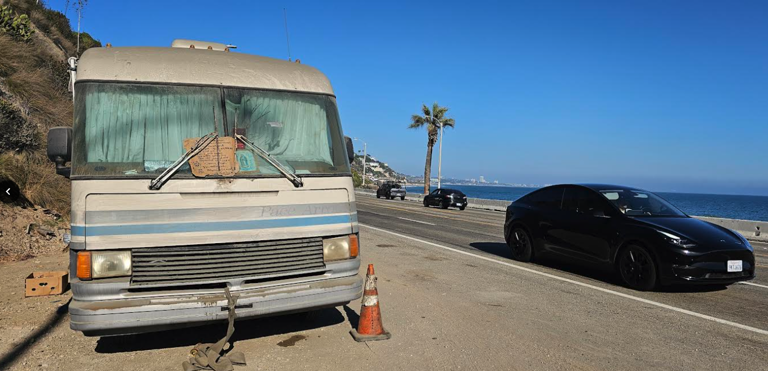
{"points": [[440, 157], [79, 16], [365, 157]]}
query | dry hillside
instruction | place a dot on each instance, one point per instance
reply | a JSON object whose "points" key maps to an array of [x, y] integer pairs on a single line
{"points": [[35, 43]]}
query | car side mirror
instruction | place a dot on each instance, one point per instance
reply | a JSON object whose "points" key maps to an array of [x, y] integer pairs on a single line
{"points": [[60, 149], [350, 149]]}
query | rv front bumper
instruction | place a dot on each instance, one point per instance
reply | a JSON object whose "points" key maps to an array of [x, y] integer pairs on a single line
{"points": [[130, 316]]}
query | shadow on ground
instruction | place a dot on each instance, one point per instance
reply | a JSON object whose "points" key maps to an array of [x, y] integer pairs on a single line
{"points": [[352, 316], [7, 360], [605, 275], [496, 248], [244, 330]]}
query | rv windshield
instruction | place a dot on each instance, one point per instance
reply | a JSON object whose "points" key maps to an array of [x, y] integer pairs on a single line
{"points": [[138, 130]]}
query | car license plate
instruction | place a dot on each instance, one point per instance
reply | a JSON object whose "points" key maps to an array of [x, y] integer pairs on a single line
{"points": [[459, 204], [734, 266]]}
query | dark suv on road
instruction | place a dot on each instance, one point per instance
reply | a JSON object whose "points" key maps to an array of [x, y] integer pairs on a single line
{"points": [[446, 198], [391, 191], [639, 234]]}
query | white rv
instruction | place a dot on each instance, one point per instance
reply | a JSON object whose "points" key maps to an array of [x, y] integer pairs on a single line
{"points": [[154, 245]]}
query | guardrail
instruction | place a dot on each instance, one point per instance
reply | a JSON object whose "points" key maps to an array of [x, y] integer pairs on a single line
{"points": [[472, 203], [753, 230]]}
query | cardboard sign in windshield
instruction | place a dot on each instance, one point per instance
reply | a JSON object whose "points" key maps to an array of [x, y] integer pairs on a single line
{"points": [[216, 159]]}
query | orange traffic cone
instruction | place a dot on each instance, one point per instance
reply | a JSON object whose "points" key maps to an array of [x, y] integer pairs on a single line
{"points": [[370, 328]]}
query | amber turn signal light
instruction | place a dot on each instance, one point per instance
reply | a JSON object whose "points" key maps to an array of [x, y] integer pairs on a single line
{"points": [[354, 246], [84, 265]]}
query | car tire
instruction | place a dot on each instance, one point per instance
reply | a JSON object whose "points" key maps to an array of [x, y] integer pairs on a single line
{"points": [[425, 203], [378, 195], [637, 268], [402, 198], [520, 244], [462, 208]]}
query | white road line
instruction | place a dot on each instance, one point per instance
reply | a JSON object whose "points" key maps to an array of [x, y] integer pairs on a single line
{"points": [[621, 294], [414, 220], [754, 284]]}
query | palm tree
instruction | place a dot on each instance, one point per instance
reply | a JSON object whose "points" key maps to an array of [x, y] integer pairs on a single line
{"points": [[432, 120]]}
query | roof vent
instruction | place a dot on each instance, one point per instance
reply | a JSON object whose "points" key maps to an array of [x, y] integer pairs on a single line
{"points": [[195, 44]]}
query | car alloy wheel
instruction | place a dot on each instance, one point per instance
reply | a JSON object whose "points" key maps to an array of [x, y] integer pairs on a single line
{"points": [[637, 268], [520, 244]]}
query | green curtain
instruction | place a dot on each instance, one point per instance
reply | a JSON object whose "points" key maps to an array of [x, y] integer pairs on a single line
{"points": [[147, 124], [290, 126]]}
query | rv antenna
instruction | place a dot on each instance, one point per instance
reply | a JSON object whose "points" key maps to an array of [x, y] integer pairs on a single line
{"points": [[287, 37]]}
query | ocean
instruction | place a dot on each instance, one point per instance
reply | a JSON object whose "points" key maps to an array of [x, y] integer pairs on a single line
{"points": [[723, 206]]}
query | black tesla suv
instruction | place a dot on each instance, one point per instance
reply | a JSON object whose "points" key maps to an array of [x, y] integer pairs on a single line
{"points": [[645, 238]]}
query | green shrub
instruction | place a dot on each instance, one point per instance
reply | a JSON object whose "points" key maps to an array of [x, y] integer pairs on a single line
{"points": [[17, 26], [6, 15], [87, 41]]}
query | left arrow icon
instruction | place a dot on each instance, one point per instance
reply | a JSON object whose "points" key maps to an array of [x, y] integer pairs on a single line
{"points": [[10, 191]]}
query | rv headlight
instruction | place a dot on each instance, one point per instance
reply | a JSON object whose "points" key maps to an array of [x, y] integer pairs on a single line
{"points": [[110, 263], [340, 248]]}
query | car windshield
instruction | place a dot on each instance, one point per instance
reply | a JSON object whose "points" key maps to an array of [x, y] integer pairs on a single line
{"points": [[138, 130], [640, 203]]}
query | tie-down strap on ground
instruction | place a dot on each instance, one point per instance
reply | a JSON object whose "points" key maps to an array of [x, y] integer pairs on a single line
{"points": [[209, 356]]}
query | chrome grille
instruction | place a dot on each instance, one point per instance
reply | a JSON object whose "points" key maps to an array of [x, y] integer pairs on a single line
{"points": [[253, 260]]}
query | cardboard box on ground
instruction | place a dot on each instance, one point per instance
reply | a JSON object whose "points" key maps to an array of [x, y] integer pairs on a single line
{"points": [[46, 283]]}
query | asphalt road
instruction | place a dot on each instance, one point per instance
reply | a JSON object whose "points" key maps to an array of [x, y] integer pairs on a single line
{"points": [[722, 322], [452, 299]]}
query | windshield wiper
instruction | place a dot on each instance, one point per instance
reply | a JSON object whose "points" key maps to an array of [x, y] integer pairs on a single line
{"points": [[297, 182], [196, 149]]}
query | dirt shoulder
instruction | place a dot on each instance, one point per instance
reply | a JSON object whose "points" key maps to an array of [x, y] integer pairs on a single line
{"points": [[445, 311], [28, 232]]}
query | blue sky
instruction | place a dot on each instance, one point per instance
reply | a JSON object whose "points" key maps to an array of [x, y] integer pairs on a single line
{"points": [[665, 95]]}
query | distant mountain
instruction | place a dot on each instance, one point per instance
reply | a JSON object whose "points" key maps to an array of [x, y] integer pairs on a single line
{"points": [[375, 169]]}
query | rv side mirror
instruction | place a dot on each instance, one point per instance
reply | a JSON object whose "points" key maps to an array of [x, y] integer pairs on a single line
{"points": [[60, 148], [350, 149]]}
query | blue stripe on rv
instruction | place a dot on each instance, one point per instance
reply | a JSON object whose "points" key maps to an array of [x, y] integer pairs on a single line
{"points": [[239, 225]]}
